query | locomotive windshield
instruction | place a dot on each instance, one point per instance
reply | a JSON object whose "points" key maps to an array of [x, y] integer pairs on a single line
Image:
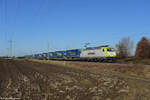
{"points": [[110, 49]]}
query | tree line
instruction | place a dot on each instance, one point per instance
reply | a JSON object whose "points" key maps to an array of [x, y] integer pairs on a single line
{"points": [[125, 48]]}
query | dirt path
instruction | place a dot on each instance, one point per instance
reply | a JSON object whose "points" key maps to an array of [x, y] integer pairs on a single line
{"points": [[26, 80]]}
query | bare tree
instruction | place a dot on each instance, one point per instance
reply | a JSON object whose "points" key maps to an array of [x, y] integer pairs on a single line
{"points": [[143, 48], [125, 47]]}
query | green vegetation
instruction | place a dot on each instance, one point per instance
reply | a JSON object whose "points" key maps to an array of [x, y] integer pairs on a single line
{"points": [[20, 57]]}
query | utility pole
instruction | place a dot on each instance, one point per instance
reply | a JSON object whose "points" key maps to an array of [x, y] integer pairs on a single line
{"points": [[48, 46], [10, 48], [7, 55]]}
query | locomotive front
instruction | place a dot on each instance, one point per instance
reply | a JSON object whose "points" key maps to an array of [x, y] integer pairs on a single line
{"points": [[110, 52]]}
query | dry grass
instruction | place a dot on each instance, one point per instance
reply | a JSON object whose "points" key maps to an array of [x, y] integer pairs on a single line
{"points": [[137, 76], [134, 60], [138, 70]]}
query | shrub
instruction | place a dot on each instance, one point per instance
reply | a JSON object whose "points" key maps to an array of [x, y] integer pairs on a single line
{"points": [[143, 48]]}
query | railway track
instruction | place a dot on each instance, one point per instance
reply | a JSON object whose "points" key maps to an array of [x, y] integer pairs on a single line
{"points": [[113, 62]]}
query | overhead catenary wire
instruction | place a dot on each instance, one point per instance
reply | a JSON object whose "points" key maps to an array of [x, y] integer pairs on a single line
{"points": [[48, 47], [40, 7], [5, 12]]}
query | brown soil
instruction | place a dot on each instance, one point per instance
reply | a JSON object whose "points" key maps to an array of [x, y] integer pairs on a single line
{"points": [[38, 81]]}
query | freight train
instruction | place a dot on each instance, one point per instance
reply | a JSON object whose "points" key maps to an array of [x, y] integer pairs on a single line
{"points": [[100, 53]]}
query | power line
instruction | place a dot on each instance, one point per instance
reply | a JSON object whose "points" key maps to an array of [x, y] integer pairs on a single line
{"points": [[86, 44], [5, 11], [40, 7]]}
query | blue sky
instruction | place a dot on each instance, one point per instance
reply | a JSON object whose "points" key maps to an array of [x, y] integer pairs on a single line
{"points": [[68, 24]]}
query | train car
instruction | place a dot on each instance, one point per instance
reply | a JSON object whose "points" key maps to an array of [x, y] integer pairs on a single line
{"points": [[39, 56], [28, 56], [61, 54], [50, 55], [44, 56], [35, 56], [75, 53], [56, 55]]}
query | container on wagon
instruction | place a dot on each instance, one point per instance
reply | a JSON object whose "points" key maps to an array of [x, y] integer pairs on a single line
{"points": [[75, 53]]}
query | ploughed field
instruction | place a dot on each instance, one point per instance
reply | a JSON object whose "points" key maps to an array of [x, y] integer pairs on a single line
{"points": [[57, 80]]}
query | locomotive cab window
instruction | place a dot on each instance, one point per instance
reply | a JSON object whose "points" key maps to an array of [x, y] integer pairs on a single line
{"points": [[103, 50], [110, 50]]}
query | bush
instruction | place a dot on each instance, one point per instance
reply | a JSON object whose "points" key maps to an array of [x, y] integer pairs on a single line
{"points": [[143, 48]]}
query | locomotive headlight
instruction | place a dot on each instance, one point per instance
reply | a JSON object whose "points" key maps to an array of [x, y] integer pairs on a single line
{"points": [[112, 54]]}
